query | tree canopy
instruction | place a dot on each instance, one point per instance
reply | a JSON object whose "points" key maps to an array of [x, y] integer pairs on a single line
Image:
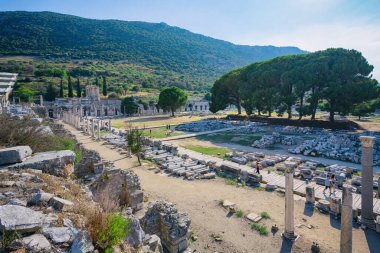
{"points": [[171, 98], [336, 80]]}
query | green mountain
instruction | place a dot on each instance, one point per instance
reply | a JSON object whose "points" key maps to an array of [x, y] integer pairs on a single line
{"points": [[154, 45]]}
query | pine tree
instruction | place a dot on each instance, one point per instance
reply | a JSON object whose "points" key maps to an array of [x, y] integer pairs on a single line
{"points": [[104, 86], [61, 89], [97, 82], [79, 90], [70, 95]]}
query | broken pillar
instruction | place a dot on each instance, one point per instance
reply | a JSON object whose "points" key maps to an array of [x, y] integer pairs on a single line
{"points": [[346, 220]]}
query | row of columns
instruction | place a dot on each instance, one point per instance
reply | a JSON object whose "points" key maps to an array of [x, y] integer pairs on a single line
{"points": [[366, 219], [91, 126]]}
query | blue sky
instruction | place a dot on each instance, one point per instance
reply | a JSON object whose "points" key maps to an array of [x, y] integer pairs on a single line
{"points": [[309, 24]]}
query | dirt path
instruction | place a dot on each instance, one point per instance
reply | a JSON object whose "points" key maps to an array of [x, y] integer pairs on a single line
{"points": [[200, 200]]}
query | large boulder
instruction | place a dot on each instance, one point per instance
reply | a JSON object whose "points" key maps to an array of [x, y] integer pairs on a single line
{"points": [[57, 163], [21, 219], [14, 154]]}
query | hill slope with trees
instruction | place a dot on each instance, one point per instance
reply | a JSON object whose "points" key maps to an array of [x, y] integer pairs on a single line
{"points": [[153, 45]]}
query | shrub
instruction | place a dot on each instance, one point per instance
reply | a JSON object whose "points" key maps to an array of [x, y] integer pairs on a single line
{"points": [[265, 215], [221, 202], [114, 231], [239, 213], [263, 230]]}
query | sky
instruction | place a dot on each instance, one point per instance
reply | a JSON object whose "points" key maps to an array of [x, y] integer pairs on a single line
{"points": [[308, 24]]}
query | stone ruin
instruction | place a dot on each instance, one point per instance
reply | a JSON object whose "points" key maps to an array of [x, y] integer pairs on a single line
{"points": [[268, 141], [166, 156], [164, 220]]}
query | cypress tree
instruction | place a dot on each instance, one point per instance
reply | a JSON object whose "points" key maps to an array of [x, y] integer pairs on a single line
{"points": [[97, 82], [79, 90], [104, 86], [61, 89], [51, 92], [70, 94]]}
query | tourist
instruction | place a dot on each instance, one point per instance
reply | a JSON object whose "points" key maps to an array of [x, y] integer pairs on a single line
{"points": [[327, 184], [257, 167], [333, 182]]}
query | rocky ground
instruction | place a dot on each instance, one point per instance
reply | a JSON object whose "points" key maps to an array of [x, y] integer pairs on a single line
{"points": [[217, 231]]}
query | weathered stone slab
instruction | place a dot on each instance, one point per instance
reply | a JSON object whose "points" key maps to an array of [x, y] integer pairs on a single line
{"points": [[253, 217], [60, 204], [58, 234], [137, 200], [228, 204], [53, 162], [21, 219], [36, 243], [82, 244], [14, 154]]}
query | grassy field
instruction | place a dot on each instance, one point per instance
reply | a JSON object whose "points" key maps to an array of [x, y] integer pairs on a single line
{"points": [[158, 120], [214, 151], [159, 133]]}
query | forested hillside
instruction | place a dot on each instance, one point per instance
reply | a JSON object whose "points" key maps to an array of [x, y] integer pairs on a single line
{"points": [[193, 57]]}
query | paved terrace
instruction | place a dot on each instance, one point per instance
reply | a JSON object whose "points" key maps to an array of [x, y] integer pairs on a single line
{"points": [[274, 178]]}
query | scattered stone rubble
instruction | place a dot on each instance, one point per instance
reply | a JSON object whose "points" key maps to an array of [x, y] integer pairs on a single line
{"points": [[340, 145], [268, 141], [209, 125], [170, 162]]}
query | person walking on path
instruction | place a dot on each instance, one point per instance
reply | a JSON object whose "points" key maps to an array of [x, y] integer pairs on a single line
{"points": [[257, 167], [327, 184]]}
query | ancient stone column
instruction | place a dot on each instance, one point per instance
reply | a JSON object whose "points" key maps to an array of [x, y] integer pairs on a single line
{"points": [[88, 126], [93, 127], [367, 181], [98, 129], [310, 194], [289, 206], [109, 125], [346, 220]]}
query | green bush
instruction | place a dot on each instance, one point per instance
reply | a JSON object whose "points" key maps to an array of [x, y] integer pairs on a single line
{"points": [[265, 215], [263, 230], [114, 231], [239, 213]]}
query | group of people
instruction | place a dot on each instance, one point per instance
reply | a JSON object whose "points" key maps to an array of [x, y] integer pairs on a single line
{"points": [[169, 130]]}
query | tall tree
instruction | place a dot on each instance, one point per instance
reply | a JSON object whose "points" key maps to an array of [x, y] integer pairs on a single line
{"points": [[104, 86], [51, 92], [129, 106], [79, 89], [70, 88], [61, 88], [171, 98], [97, 82], [134, 141]]}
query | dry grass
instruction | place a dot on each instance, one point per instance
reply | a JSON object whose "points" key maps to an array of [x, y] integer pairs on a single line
{"points": [[158, 120]]}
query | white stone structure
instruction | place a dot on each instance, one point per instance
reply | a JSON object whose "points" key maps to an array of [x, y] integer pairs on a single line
{"points": [[197, 106], [346, 221], [7, 81], [91, 105]]}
